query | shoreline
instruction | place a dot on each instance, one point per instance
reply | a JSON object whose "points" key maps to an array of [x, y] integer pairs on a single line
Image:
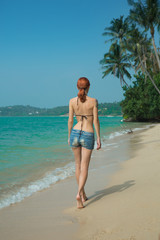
{"points": [[50, 211], [128, 207], [60, 171]]}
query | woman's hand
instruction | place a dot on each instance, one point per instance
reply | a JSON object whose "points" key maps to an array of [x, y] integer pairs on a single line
{"points": [[68, 141], [98, 143]]}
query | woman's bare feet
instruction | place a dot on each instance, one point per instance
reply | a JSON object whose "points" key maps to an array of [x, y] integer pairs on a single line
{"points": [[84, 197], [79, 201]]}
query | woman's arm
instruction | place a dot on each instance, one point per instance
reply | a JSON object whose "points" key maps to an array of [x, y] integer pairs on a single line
{"points": [[96, 123], [70, 120]]}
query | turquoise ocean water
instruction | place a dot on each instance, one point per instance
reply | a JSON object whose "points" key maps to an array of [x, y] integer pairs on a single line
{"points": [[34, 152]]}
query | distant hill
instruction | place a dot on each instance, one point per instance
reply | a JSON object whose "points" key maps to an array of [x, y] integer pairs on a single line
{"points": [[20, 110], [113, 109]]}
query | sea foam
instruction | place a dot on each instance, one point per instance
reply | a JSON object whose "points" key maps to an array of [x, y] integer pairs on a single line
{"points": [[50, 178]]}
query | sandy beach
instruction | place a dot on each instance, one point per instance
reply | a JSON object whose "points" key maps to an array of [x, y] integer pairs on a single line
{"points": [[123, 191], [128, 208]]}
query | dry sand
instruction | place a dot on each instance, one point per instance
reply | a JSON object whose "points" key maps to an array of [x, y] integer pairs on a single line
{"points": [[129, 207], [121, 206]]}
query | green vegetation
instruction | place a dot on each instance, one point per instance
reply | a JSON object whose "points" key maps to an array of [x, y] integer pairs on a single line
{"points": [[19, 110], [142, 102], [113, 109], [133, 50]]}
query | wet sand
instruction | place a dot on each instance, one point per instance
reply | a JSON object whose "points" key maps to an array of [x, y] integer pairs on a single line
{"points": [[123, 192]]}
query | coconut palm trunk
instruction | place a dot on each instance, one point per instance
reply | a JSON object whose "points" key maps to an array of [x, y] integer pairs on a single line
{"points": [[122, 80], [147, 15], [154, 45], [156, 53], [148, 74], [130, 61]]}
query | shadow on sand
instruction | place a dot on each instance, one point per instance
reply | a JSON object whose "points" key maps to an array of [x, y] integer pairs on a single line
{"points": [[116, 188]]}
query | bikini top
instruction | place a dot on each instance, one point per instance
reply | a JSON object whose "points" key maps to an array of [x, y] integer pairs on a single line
{"points": [[82, 116]]}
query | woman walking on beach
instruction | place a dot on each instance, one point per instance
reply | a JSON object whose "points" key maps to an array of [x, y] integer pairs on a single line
{"points": [[81, 136]]}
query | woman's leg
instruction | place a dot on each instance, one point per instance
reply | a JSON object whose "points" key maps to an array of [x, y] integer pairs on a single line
{"points": [[85, 160], [77, 156], [82, 159]]}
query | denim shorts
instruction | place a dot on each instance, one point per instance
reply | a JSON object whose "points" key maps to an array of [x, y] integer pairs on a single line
{"points": [[79, 138]]}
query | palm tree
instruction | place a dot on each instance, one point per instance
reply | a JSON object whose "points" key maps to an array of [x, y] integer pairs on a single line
{"points": [[139, 46], [118, 30], [115, 62], [147, 15], [141, 52]]}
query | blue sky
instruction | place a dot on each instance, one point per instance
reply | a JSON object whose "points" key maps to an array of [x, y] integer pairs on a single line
{"points": [[46, 45]]}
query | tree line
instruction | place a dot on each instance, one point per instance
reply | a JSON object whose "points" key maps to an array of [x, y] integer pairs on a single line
{"points": [[20, 110]]}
